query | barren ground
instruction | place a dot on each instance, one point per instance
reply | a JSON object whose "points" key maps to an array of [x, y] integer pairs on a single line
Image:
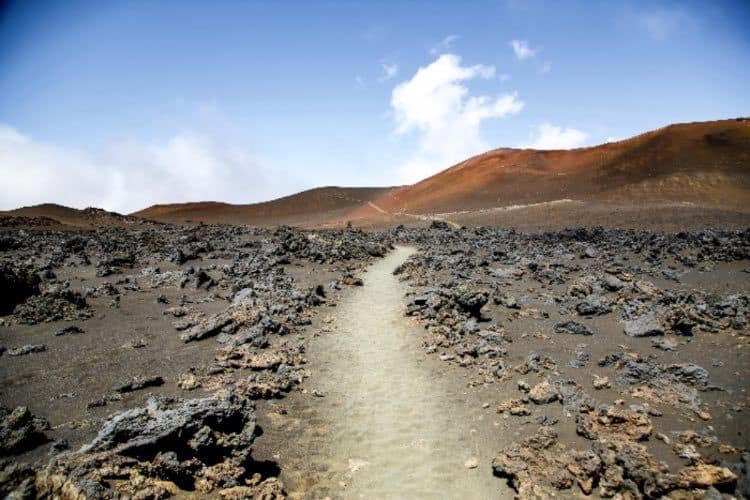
{"points": [[443, 373]]}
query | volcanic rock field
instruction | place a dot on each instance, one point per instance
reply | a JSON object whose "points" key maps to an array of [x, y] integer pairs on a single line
{"points": [[219, 361]]}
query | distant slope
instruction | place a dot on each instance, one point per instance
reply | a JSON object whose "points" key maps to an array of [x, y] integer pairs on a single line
{"points": [[690, 174], [50, 214], [705, 163], [314, 207]]}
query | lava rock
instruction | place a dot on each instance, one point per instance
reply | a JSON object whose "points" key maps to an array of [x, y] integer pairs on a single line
{"points": [[573, 327], [593, 305], [206, 328], [72, 329], [580, 359], [612, 283], [471, 300], [543, 393], [53, 305], [664, 344], [139, 383], [20, 431], [632, 371], [645, 326], [27, 349], [689, 373]]}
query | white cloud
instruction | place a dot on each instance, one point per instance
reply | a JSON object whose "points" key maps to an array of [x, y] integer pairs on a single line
{"points": [[548, 136], [128, 175], [444, 44], [522, 50], [389, 71], [437, 106]]}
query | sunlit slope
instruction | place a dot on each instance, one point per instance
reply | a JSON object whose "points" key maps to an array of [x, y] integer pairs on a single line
{"points": [[702, 163]]}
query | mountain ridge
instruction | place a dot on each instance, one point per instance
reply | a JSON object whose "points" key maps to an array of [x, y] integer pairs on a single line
{"points": [[698, 165]]}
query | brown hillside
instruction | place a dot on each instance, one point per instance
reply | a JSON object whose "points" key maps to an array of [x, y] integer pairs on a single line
{"points": [[308, 208], [52, 215], [705, 163]]}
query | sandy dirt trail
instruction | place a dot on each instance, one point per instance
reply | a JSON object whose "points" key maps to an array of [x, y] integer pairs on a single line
{"points": [[389, 423], [428, 218]]}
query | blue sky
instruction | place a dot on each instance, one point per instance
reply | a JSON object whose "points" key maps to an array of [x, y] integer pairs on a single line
{"points": [[122, 104]]}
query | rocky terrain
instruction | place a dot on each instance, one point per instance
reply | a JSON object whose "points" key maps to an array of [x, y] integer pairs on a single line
{"points": [[131, 359], [141, 361], [623, 355]]}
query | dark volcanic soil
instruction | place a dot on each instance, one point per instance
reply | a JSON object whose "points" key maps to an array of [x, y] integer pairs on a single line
{"points": [[98, 323], [144, 362], [622, 354]]}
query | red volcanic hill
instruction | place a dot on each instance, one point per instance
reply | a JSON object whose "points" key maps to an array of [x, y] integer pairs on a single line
{"points": [[693, 168], [706, 163]]}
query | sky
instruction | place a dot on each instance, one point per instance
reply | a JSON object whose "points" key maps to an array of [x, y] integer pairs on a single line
{"points": [[123, 104]]}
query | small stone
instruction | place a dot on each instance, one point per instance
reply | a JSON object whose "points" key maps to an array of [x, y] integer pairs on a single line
{"points": [[510, 302], [27, 349], [664, 344], [573, 327], [135, 344], [471, 463], [601, 382], [352, 281], [612, 283], [663, 437], [593, 305], [140, 383], [188, 382], [72, 329], [589, 253], [513, 407], [645, 326], [207, 328], [543, 393]]}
